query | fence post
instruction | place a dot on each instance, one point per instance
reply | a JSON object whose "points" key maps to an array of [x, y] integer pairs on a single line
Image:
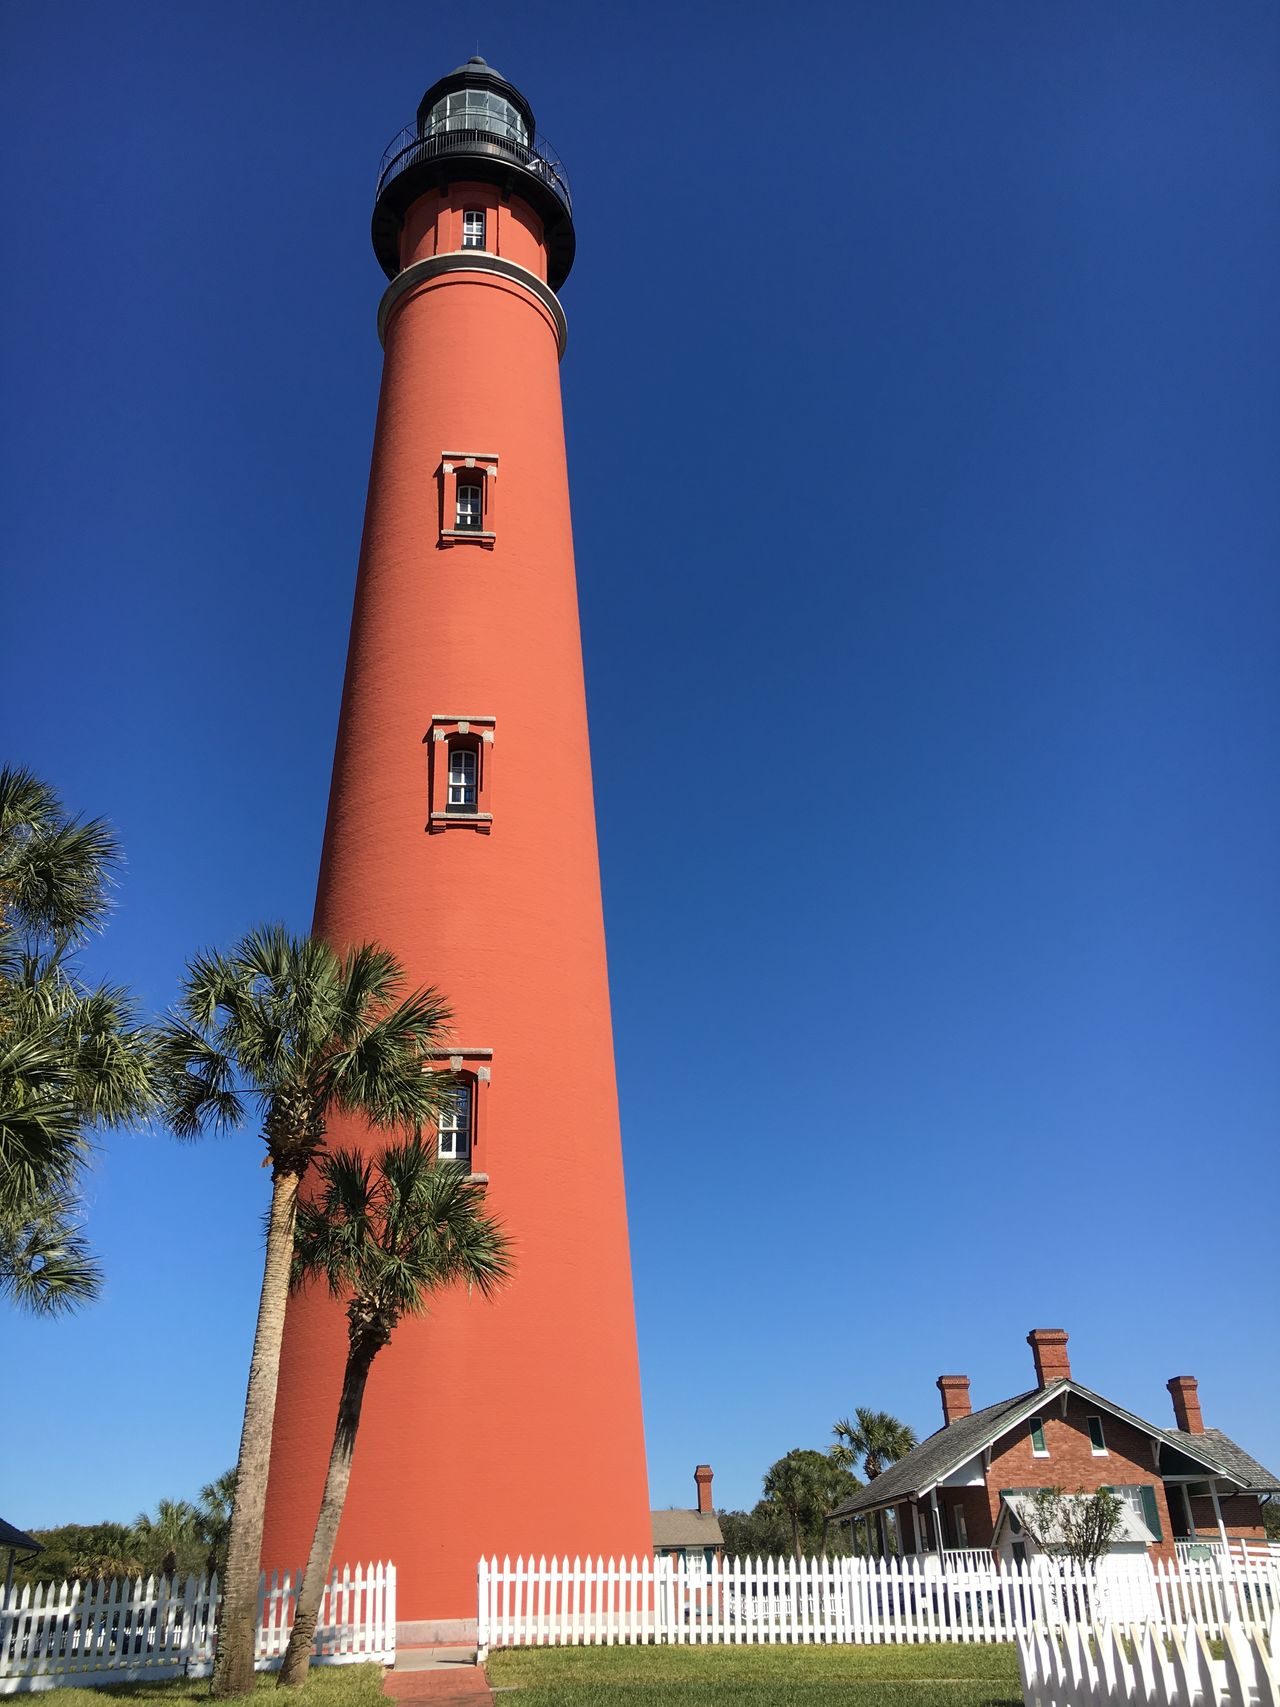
{"points": [[482, 1612]]}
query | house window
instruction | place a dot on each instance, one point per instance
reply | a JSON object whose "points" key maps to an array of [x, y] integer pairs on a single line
{"points": [[470, 506], [1132, 1497], [454, 1128], [960, 1527], [462, 779], [1038, 1447], [1097, 1440], [473, 228], [1141, 1501]]}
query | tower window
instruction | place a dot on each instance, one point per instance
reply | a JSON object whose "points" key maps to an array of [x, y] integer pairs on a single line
{"points": [[462, 779], [459, 773], [470, 504], [454, 1128], [468, 483], [473, 228]]}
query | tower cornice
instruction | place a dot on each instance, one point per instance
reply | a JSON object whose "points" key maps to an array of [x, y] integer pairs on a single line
{"points": [[440, 266]]}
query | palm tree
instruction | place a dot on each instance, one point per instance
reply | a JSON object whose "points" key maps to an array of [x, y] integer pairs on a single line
{"points": [[217, 1500], [306, 1033], [795, 1488], [72, 1057], [167, 1541], [388, 1235], [877, 1438]]}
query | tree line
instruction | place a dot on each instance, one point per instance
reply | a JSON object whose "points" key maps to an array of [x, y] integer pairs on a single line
{"points": [[180, 1538], [292, 1030], [803, 1487]]}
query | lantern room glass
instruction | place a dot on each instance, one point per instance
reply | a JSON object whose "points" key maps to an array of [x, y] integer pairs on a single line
{"points": [[477, 109]]}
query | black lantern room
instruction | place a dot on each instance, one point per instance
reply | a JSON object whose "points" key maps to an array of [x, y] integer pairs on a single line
{"points": [[476, 127]]}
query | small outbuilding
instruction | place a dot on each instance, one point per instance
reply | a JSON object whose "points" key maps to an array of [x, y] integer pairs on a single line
{"points": [[690, 1533]]}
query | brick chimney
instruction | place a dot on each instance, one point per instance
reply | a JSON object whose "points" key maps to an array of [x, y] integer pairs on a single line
{"points": [[955, 1397], [702, 1477], [1049, 1348], [1186, 1403]]}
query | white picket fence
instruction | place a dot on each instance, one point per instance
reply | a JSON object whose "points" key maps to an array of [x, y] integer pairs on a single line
{"points": [[1137, 1666], [123, 1630], [568, 1602]]}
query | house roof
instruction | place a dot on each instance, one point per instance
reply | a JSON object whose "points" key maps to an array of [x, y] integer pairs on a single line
{"points": [[1233, 1460], [18, 1539], [686, 1529], [935, 1458], [956, 1443]]}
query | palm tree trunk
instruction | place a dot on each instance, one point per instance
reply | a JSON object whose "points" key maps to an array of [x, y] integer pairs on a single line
{"points": [[795, 1534], [297, 1657], [238, 1625]]}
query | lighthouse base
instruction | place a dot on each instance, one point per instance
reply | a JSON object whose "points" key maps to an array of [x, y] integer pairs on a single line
{"points": [[436, 1632]]}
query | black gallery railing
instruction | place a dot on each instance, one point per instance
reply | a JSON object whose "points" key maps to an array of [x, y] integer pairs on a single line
{"points": [[409, 149]]}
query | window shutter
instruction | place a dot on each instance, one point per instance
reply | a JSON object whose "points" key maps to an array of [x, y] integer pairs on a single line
{"points": [[1151, 1511]]}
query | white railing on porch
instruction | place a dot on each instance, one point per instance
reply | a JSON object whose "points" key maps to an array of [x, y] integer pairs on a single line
{"points": [[124, 1630], [1137, 1666], [532, 1602], [1212, 1546]]}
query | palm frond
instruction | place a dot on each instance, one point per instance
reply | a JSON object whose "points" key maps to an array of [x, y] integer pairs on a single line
{"points": [[42, 1136], [370, 980], [45, 1262], [197, 1080], [209, 985], [395, 1230], [55, 870]]}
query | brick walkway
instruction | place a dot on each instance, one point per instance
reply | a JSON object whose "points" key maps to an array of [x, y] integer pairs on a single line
{"points": [[449, 1680]]}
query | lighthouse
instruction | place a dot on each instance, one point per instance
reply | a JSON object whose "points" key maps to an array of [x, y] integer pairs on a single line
{"points": [[461, 835]]}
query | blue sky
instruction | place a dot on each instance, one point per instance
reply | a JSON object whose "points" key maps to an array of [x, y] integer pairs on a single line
{"points": [[923, 402]]}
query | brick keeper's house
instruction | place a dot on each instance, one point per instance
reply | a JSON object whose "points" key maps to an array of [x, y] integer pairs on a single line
{"points": [[962, 1488]]}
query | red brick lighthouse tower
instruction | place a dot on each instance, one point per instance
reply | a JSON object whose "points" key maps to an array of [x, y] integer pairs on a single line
{"points": [[461, 833]]}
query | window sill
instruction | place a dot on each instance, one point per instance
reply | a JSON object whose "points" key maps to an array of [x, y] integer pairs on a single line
{"points": [[475, 536], [477, 1179], [482, 821]]}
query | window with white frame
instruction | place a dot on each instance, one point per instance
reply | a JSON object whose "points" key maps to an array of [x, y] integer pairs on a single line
{"points": [[462, 779], [473, 228], [1132, 1497], [470, 505], [1097, 1440], [454, 1128], [1038, 1447], [959, 1525]]}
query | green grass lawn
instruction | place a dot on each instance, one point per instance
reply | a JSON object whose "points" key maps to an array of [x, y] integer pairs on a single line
{"points": [[953, 1676], [326, 1686]]}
